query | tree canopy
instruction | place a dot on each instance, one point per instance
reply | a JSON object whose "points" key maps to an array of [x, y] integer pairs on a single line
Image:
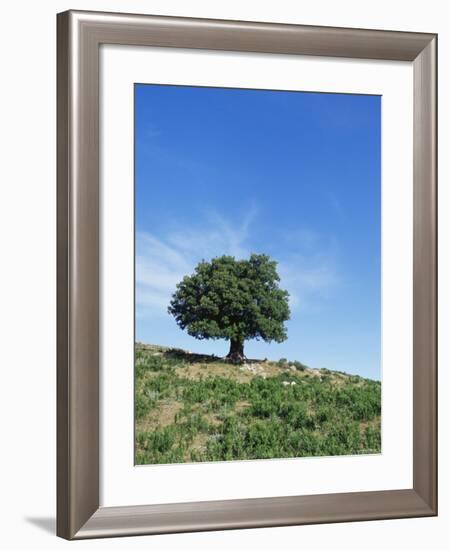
{"points": [[233, 299]]}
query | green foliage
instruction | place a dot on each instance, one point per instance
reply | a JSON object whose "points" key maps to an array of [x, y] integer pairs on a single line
{"points": [[289, 414], [298, 365], [143, 405], [232, 299], [372, 439]]}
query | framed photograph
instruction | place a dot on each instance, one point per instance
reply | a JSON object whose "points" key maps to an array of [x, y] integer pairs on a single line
{"points": [[246, 274]]}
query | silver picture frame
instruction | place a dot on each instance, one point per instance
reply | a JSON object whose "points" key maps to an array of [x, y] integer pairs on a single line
{"points": [[79, 36]]}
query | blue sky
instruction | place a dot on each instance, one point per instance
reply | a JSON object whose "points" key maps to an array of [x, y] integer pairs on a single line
{"points": [[291, 174]]}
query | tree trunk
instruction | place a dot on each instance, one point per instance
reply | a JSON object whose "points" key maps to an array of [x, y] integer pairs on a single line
{"points": [[236, 354]]}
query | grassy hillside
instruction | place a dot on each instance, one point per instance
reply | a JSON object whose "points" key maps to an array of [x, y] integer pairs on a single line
{"points": [[192, 407]]}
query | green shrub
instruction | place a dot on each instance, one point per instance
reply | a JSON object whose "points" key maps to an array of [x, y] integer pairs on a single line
{"points": [[224, 418], [298, 365]]}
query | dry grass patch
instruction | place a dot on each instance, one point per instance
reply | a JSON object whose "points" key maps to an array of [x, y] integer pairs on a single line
{"points": [[198, 371], [199, 443], [163, 415]]}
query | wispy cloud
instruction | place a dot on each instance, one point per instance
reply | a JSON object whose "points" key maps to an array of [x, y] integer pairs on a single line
{"points": [[306, 276], [306, 266], [162, 262], [217, 236]]}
